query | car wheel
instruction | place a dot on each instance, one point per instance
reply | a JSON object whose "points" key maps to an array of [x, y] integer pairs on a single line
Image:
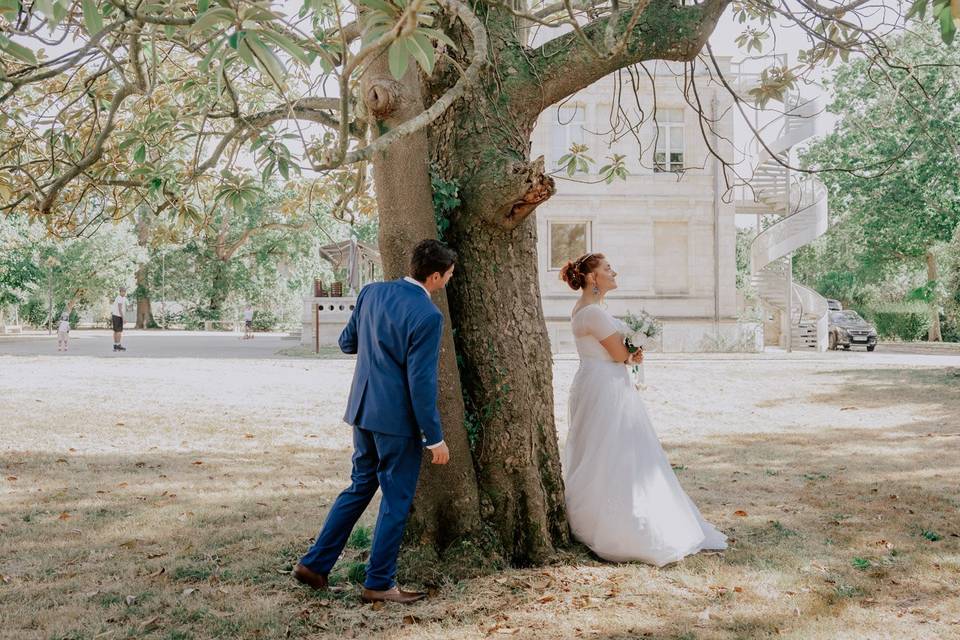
{"points": [[833, 342], [871, 347]]}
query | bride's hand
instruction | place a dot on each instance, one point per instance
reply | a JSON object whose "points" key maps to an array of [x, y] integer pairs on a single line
{"points": [[637, 356]]}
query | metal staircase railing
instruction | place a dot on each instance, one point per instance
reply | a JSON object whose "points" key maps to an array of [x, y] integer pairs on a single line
{"points": [[803, 213]]}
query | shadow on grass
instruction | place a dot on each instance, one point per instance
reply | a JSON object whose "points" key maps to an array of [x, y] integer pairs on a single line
{"points": [[839, 531]]}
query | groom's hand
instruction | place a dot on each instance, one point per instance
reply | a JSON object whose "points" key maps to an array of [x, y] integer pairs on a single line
{"points": [[441, 455], [637, 356]]}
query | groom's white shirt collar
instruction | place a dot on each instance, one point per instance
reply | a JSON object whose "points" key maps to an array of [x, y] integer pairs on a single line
{"points": [[418, 283]]}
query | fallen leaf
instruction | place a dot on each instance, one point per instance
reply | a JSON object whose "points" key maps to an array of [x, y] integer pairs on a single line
{"points": [[122, 485], [120, 424], [187, 591], [740, 512], [62, 460], [129, 544], [376, 606], [72, 450], [197, 462], [130, 600], [11, 478], [64, 516], [5, 579], [738, 589], [409, 619], [151, 556], [159, 572], [546, 599], [249, 436]]}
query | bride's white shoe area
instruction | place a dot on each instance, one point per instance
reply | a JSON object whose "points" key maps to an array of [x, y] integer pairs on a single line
{"points": [[624, 500]]}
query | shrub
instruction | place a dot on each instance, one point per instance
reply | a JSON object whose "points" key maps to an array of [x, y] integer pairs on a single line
{"points": [[908, 321]]}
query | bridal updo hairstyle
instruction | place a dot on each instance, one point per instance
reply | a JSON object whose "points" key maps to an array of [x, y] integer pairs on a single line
{"points": [[574, 273]]}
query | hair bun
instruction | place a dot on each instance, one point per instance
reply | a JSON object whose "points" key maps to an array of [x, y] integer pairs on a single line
{"points": [[572, 276]]}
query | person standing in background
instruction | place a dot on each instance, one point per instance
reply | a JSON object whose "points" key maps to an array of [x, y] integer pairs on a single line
{"points": [[116, 313], [248, 322], [63, 332]]}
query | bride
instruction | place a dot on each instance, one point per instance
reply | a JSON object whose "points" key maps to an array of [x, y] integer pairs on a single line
{"points": [[623, 499]]}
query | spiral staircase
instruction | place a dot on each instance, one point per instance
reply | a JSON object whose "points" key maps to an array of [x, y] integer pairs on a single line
{"points": [[800, 215]]}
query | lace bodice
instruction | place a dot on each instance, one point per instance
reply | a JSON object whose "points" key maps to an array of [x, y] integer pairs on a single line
{"points": [[591, 324]]}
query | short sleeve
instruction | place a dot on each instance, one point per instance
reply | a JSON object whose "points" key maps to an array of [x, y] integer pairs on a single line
{"points": [[596, 322]]}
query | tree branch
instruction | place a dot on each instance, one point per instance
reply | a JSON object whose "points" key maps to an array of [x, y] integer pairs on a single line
{"points": [[664, 31]]}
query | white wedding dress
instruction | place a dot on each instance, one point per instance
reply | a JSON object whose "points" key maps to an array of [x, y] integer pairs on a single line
{"points": [[623, 499]]}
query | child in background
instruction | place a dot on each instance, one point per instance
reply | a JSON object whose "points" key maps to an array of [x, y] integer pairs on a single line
{"points": [[63, 332]]}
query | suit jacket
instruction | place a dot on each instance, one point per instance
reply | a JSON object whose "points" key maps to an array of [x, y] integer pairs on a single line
{"points": [[395, 331]]}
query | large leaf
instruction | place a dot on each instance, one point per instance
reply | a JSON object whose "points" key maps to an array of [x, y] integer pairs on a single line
{"points": [[212, 18], [92, 18], [17, 50], [420, 48], [399, 58], [9, 8], [288, 45]]}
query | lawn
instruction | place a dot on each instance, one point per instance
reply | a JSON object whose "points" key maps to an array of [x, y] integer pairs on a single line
{"points": [[173, 505]]}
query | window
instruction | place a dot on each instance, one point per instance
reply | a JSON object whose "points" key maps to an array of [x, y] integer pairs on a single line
{"points": [[568, 241], [668, 155], [670, 257], [567, 130]]}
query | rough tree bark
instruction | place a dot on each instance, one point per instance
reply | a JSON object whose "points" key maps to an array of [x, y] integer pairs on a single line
{"points": [[446, 508], [933, 335], [483, 144], [144, 312]]}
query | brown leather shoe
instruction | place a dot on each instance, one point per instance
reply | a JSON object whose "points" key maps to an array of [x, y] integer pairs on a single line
{"points": [[310, 578], [392, 595]]}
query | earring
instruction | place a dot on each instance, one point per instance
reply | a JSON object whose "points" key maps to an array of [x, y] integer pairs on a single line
{"points": [[596, 290]]}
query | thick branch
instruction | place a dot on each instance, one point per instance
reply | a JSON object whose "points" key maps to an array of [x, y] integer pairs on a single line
{"points": [[665, 31], [470, 77]]}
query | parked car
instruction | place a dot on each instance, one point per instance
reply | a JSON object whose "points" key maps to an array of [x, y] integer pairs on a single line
{"points": [[834, 305], [848, 329]]}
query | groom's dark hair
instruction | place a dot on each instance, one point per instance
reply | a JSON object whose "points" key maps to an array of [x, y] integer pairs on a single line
{"points": [[431, 256]]}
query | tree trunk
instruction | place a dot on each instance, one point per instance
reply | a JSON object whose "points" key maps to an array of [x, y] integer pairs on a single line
{"points": [[934, 334], [506, 362], [144, 313], [446, 508]]}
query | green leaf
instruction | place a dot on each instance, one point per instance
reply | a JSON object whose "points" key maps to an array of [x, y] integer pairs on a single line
{"points": [[287, 45], [141, 154], [91, 17], [234, 39], [947, 28], [380, 5], [17, 50], [918, 9], [436, 34], [9, 8], [207, 59], [398, 59], [202, 5], [267, 60], [212, 18], [421, 50]]}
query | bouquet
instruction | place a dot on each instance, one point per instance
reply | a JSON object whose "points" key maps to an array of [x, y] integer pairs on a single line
{"points": [[644, 325]]}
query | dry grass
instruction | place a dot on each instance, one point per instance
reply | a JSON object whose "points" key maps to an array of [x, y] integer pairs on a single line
{"points": [[848, 533]]}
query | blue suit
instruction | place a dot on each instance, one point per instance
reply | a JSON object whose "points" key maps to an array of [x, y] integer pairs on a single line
{"points": [[395, 331]]}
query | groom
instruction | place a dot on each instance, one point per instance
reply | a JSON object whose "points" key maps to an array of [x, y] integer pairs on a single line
{"points": [[395, 331]]}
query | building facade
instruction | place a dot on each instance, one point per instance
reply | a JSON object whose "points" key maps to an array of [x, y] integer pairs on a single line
{"points": [[668, 228]]}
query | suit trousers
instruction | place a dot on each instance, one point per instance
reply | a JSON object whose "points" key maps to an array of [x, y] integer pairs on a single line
{"points": [[391, 463]]}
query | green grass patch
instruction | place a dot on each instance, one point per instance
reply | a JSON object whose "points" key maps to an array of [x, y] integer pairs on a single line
{"points": [[360, 538]]}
